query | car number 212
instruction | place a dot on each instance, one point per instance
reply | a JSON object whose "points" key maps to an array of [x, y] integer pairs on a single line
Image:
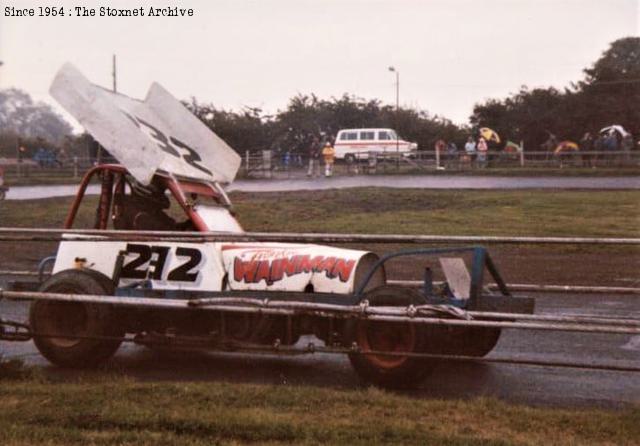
{"points": [[145, 265]]}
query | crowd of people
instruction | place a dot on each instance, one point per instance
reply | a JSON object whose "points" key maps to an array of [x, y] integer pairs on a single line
{"points": [[608, 142], [475, 151], [319, 152]]}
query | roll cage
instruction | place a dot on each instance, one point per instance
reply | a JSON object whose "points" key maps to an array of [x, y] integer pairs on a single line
{"points": [[114, 179]]}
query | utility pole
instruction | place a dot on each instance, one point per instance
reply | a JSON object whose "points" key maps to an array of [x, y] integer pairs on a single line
{"points": [[397, 115], [115, 90]]}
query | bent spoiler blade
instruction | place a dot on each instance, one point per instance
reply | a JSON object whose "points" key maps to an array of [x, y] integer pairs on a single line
{"points": [[158, 133]]}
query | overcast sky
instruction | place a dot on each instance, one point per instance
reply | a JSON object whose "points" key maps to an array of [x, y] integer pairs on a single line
{"points": [[450, 54]]}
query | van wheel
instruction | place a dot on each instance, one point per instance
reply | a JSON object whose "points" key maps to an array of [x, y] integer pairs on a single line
{"points": [[349, 158], [61, 327]]}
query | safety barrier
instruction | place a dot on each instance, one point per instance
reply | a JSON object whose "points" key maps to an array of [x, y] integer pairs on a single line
{"points": [[39, 234], [442, 315]]}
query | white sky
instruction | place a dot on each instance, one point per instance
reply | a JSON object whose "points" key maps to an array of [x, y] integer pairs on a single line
{"points": [[450, 54]]}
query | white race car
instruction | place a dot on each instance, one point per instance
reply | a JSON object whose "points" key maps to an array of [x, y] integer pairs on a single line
{"points": [[167, 156]]}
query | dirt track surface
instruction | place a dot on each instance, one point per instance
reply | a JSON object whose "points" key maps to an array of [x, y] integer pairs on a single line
{"points": [[549, 386]]}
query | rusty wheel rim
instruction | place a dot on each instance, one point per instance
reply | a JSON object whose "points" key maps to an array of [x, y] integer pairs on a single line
{"points": [[387, 337], [67, 319]]}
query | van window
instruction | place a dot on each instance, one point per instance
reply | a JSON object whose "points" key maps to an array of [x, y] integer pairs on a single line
{"points": [[349, 136], [367, 135], [384, 136]]}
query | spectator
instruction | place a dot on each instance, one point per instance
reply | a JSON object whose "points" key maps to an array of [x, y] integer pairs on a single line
{"points": [[586, 145], [329, 155], [469, 150], [3, 190], [598, 146], [626, 146], [286, 159], [439, 147], [598, 143], [452, 154], [627, 142], [470, 147], [314, 158], [482, 152], [611, 142]]}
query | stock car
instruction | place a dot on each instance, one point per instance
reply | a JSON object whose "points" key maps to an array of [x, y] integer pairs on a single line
{"points": [[168, 157]]}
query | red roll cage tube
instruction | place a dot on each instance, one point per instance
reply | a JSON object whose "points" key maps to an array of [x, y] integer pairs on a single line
{"points": [[179, 189]]}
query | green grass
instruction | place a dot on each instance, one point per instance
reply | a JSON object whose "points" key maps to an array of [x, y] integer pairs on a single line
{"points": [[447, 212], [118, 411], [401, 211]]}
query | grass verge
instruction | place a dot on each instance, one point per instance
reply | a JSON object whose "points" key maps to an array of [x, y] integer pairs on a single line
{"points": [[118, 411]]}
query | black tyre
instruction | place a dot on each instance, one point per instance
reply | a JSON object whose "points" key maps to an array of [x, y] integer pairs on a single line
{"points": [[389, 371], [75, 320], [349, 158], [463, 341]]}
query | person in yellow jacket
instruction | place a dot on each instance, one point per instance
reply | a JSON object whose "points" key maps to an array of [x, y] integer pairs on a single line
{"points": [[329, 155]]}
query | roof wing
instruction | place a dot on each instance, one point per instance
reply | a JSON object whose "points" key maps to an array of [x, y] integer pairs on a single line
{"points": [[158, 133]]}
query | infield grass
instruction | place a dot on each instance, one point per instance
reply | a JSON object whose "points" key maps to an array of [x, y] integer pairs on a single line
{"points": [[399, 211]]}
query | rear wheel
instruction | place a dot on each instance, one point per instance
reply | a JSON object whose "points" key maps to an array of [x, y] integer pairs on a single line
{"points": [[62, 328], [463, 341], [389, 370]]}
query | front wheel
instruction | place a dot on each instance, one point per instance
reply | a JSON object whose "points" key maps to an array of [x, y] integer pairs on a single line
{"points": [[75, 334], [393, 370]]}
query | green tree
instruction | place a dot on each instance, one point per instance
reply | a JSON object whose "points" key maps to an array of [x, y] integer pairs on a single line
{"points": [[609, 94], [20, 115]]}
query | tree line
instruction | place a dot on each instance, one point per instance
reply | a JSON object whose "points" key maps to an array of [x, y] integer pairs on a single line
{"points": [[608, 94]]}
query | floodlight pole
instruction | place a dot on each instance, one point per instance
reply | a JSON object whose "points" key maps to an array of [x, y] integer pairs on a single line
{"points": [[397, 115]]}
